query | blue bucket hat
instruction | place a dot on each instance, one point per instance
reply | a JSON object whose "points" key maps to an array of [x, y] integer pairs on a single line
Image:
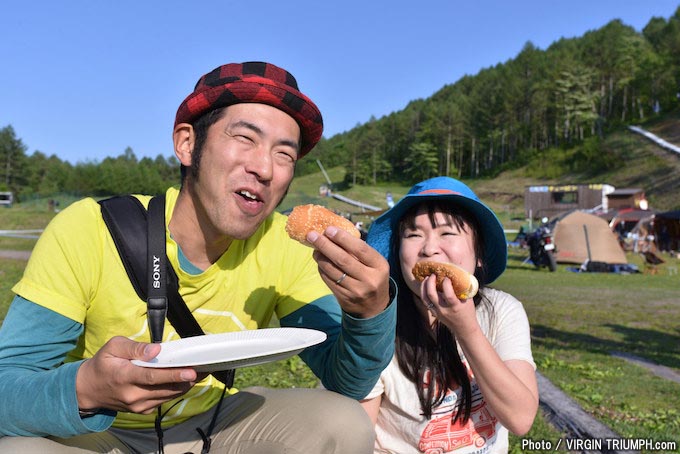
{"points": [[445, 189]]}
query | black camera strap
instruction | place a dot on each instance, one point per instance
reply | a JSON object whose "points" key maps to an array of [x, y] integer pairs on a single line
{"points": [[140, 240]]}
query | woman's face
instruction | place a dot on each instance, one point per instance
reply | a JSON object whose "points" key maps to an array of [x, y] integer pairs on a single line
{"points": [[443, 242]]}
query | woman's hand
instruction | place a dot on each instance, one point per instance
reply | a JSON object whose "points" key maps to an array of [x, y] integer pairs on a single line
{"points": [[459, 316]]}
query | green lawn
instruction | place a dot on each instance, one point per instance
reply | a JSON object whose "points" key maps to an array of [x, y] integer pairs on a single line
{"points": [[579, 319]]}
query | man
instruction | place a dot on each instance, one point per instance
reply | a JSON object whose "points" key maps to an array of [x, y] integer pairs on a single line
{"points": [[67, 380]]}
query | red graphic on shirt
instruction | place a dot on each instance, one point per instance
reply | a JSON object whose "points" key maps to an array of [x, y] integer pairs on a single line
{"points": [[442, 435]]}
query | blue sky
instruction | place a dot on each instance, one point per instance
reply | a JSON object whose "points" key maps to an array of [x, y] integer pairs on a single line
{"points": [[85, 79]]}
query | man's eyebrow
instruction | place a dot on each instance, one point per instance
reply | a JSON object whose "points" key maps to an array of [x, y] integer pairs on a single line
{"points": [[257, 130], [245, 124]]}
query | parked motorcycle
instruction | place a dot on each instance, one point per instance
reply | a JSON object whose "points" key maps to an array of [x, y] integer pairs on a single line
{"points": [[542, 247]]}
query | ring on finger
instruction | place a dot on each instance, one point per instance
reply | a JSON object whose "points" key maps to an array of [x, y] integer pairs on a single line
{"points": [[430, 305], [342, 278]]}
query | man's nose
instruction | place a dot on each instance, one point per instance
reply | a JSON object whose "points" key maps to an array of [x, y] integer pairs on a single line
{"points": [[260, 163]]}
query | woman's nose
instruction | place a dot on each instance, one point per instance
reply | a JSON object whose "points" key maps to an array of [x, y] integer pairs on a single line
{"points": [[429, 248]]}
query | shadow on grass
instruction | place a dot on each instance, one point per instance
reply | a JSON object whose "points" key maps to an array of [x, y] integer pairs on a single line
{"points": [[524, 262], [656, 346], [522, 258], [527, 267]]}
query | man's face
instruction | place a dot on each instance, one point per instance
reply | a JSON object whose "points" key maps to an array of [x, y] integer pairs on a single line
{"points": [[246, 166]]}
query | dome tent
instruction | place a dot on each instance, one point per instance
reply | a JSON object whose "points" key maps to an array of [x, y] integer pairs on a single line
{"points": [[580, 236]]}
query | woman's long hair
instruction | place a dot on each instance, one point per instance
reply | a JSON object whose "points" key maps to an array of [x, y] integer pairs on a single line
{"points": [[421, 348]]}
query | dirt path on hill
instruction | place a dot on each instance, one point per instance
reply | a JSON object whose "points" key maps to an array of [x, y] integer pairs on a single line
{"points": [[656, 369]]}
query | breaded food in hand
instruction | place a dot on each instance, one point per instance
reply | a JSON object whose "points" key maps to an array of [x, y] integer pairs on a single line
{"points": [[305, 218], [464, 284]]}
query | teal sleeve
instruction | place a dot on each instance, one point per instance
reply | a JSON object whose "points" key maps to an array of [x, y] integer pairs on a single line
{"points": [[38, 390], [357, 350]]}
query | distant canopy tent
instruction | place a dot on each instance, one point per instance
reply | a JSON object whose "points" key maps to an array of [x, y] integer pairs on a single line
{"points": [[580, 236], [625, 220]]}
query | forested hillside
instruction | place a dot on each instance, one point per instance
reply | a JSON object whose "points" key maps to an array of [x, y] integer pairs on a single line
{"points": [[575, 90], [555, 107], [634, 162]]}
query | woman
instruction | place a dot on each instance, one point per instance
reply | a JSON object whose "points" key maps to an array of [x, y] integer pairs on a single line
{"points": [[463, 373]]}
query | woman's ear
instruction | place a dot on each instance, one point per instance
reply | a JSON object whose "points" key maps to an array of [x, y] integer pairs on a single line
{"points": [[479, 269], [183, 138]]}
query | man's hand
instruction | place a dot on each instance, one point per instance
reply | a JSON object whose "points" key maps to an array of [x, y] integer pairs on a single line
{"points": [[109, 380], [356, 273]]}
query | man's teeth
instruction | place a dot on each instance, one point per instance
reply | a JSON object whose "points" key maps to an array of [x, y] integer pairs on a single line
{"points": [[248, 194]]}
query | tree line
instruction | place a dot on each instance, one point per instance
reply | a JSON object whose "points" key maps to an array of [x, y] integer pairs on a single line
{"points": [[565, 97], [38, 175]]}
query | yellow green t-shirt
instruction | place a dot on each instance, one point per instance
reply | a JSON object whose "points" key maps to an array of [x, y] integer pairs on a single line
{"points": [[80, 276]]}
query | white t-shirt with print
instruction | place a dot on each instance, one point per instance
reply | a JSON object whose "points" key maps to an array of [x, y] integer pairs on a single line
{"points": [[401, 428]]}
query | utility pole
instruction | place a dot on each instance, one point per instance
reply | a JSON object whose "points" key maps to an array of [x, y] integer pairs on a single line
{"points": [[328, 180]]}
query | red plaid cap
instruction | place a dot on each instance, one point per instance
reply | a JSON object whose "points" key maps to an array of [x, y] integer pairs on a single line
{"points": [[256, 82]]}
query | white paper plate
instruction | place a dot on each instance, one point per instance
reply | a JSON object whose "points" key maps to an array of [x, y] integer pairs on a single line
{"points": [[214, 352]]}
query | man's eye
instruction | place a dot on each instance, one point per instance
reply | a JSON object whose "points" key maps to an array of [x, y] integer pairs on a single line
{"points": [[286, 156], [243, 138]]}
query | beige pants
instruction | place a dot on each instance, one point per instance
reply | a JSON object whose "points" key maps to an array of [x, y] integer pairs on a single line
{"points": [[253, 421]]}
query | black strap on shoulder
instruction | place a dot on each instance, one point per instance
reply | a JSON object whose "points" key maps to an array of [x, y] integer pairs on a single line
{"points": [[125, 216], [162, 279], [157, 288], [140, 241]]}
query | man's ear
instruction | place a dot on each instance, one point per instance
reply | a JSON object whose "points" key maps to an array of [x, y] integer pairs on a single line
{"points": [[183, 138]]}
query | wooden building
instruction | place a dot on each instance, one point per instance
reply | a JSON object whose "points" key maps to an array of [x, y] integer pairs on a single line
{"points": [[627, 198], [551, 200]]}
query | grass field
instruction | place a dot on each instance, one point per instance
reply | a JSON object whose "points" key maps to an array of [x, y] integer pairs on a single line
{"points": [[578, 320]]}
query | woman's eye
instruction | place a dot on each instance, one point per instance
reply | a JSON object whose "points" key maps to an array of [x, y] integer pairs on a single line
{"points": [[449, 230]]}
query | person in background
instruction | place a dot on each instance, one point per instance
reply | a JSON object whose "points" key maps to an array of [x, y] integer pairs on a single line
{"points": [[389, 199], [67, 380], [463, 373], [664, 238]]}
